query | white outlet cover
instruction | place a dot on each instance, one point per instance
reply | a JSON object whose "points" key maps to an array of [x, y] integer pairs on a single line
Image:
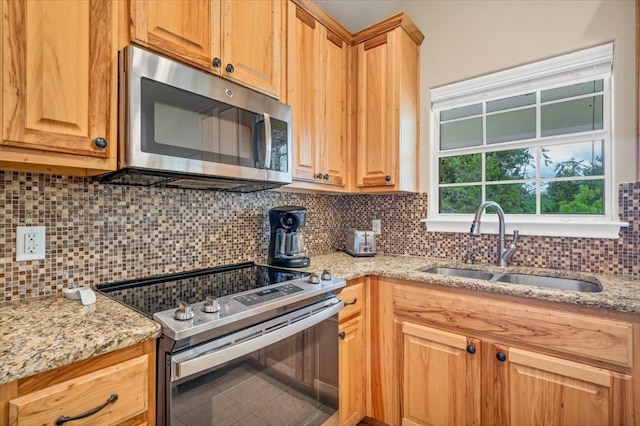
{"points": [[376, 225], [21, 232]]}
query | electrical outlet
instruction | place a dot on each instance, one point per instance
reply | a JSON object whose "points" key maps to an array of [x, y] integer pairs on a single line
{"points": [[30, 242], [376, 225]]}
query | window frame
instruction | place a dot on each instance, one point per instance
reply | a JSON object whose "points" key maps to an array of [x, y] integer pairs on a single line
{"points": [[573, 68]]}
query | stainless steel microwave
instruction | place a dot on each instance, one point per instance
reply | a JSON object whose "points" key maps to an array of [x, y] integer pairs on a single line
{"points": [[182, 127]]}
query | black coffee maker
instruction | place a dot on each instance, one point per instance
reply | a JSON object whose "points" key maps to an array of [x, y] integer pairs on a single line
{"points": [[286, 246]]}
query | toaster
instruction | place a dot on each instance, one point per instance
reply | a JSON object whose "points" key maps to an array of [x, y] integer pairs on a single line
{"points": [[360, 243]]}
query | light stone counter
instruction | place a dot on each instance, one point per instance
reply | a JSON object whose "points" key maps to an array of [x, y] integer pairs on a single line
{"points": [[619, 293], [45, 333]]}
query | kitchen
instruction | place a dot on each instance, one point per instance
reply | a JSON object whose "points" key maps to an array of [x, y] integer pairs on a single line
{"points": [[101, 233]]}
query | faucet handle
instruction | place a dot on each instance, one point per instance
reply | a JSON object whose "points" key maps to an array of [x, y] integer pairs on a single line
{"points": [[516, 234]]}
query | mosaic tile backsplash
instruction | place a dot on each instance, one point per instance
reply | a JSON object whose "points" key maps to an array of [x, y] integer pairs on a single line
{"points": [[101, 233]]}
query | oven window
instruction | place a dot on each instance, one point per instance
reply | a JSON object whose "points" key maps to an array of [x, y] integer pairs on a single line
{"points": [[290, 382], [177, 123]]}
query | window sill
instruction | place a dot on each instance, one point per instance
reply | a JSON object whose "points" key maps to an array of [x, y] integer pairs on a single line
{"points": [[548, 227]]}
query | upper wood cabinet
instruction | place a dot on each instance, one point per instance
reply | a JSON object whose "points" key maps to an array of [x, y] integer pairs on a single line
{"points": [[59, 87], [317, 90], [239, 40], [388, 61]]}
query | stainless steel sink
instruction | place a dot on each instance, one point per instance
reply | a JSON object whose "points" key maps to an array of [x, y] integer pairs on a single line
{"points": [[551, 282], [592, 285], [460, 272]]}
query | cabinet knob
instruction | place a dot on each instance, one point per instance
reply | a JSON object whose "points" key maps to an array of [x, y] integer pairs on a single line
{"points": [[100, 143], [387, 178], [326, 176], [319, 176], [230, 68], [342, 335], [501, 356], [216, 62], [471, 349]]}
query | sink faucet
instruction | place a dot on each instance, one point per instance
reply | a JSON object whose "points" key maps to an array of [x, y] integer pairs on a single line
{"points": [[503, 254]]}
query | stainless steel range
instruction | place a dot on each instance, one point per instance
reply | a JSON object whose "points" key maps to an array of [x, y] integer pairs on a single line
{"points": [[242, 344]]}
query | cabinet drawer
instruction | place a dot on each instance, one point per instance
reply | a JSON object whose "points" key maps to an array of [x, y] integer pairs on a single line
{"points": [[588, 336], [353, 297], [128, 380]]}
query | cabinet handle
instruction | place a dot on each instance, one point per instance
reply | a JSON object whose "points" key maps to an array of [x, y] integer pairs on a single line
{"points": [[230, 68], [63, 419], [100, 143], [471, 349], [326, 176], [387, 178], [342, 335], [319, 176], [501, 356], [351, 303], [216, 62]]}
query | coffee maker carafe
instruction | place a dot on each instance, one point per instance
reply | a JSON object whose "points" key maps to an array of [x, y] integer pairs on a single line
{"points": [[286, 246]]}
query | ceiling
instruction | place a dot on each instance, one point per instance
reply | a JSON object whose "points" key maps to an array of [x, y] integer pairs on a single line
{"points": [[358, 14]]}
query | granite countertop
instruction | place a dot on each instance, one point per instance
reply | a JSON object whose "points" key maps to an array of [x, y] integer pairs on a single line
{"points": [[620, 293], [45, 333]]}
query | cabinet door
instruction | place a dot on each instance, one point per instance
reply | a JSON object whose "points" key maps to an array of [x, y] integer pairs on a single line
{"points": [[441, 378], [352, 371], [544, 390], [333, 140], [251, 43], [376, 145], [303, 90], [176, 26], [57, 83]]}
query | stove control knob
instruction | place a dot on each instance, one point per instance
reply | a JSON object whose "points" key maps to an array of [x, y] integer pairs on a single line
{"points": [[314, 279], [326, 275], [184, 312], [211, 305]]}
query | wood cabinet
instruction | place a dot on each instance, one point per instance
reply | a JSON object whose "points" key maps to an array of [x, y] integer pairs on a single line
{"points": [[239, 40], [351, 354], [59, 87], [317, 90], [388, 62], [441, 377], [442, 356], [121, 384]]}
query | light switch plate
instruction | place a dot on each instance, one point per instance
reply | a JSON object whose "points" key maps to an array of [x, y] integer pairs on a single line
{"points": [[30, 242], [376, 225]]}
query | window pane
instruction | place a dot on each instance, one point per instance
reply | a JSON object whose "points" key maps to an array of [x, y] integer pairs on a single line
{"points": [[575, 159], [579, 115], [465, 111], [460, 199], [512, 102], [514, 198], [512, 164], [573, 90], [461, 169], [461, 134], [511, 126], [573, 197]]}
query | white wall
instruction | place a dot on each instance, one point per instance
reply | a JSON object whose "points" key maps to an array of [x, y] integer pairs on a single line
{"points": [[465, 39]]}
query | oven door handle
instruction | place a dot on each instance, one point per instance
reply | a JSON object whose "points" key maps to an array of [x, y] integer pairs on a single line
{"points": [[188, 363]]}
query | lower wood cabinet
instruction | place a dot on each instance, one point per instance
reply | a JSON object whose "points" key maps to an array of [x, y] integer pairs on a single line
{"points": [[445, 356], [112, 389], [452, 379], [351, 354]]}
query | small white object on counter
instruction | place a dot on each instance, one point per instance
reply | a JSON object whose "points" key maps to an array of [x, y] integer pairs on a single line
{"points": [[84, 294]]}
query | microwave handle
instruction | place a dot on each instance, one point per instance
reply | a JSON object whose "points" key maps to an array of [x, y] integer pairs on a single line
{"points": [[268, 140]]}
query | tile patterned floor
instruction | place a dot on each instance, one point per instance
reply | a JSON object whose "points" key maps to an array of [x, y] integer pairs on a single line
{"points": [[243, 396]]}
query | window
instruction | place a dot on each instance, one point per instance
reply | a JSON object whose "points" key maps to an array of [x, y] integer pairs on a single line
{"points": [[535, 139]]}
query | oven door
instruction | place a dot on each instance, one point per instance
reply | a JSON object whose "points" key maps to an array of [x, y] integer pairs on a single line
{"points": [[283, 371]]}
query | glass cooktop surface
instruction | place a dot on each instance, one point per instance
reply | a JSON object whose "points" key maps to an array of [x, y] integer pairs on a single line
{"points": [[160, 293]]}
